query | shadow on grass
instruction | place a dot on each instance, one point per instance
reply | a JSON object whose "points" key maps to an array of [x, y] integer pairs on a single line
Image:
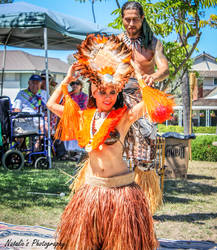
{"points": [[15, 187], [176, 187], [194, 217], [175, 199], [199, 177]]}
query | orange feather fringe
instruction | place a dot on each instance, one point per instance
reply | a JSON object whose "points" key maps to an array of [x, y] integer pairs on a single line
{"points": [[68, 125], [107, 218], [159, 105]]}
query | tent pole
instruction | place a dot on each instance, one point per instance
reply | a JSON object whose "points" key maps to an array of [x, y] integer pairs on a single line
{"points": [[3, 69], [48, 95], [3, 60]]}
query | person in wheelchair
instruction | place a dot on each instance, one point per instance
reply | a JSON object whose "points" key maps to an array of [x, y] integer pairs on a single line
{"points": [[32, 100]]}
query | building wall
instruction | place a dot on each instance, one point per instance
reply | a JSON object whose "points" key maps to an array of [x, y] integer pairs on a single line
{"points": [[59, 78], [24, 78], [208, 83]]}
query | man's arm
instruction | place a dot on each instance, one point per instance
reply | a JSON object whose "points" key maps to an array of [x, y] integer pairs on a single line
{"points": [[161, 63], [17, 105]]}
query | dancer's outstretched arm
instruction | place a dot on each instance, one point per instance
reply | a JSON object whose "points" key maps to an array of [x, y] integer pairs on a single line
{"points": [[53, 102]]}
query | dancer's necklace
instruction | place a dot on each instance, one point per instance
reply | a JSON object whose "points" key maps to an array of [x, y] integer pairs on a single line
{"points": [[95, 125], [97, 121]]}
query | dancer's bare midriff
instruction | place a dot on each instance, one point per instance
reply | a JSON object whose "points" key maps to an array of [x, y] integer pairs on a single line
{"points": [[107, 162]]}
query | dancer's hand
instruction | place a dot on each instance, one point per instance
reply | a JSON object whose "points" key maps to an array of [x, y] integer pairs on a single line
{"points": [[72, 74]]}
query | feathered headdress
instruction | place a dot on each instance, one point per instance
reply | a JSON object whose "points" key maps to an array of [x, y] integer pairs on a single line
{"points": [[105, 61]]}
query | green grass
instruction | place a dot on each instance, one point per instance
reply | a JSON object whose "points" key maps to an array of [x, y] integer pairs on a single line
{"points": [[189, 211], [19, 206]]}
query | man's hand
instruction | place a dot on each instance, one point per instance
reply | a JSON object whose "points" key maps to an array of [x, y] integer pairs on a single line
{"points": [[148, 79], [17, 110]]}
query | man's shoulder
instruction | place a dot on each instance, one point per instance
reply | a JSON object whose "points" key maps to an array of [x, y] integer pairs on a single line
{"points": [[154, 43], [21, 92]]}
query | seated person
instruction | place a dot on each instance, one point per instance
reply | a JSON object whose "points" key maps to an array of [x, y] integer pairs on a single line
{"points": [[31, 100]]}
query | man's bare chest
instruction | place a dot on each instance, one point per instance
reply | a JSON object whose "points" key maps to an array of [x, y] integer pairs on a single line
{"points": [[143, 56]]}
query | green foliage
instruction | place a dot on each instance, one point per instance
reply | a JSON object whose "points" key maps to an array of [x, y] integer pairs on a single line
{"points": [[212, 22], [202, 148], [176, 54], [163, 128], [208, 3], [204, 130], [197, 130], [117, 23]]}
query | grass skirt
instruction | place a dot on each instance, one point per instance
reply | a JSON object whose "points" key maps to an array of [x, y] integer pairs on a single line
{"points": [[100, 217], [147, 180], [150, 185]]}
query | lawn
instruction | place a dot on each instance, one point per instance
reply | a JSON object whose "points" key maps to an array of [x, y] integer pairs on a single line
{"points": [[189, 211]]}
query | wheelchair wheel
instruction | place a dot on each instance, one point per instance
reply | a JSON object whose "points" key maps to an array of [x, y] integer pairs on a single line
{"points": [[42, 163], [13, 160]]}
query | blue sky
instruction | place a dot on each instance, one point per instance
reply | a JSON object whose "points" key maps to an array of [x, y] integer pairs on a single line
{"points": [[208, 41]]}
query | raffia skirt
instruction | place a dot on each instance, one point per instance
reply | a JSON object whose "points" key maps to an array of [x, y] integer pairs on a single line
{"points": [[107, 213], [150, 185], [147, 180]]}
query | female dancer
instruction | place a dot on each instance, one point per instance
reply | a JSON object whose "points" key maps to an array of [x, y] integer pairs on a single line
{"points": [[109, 211]]}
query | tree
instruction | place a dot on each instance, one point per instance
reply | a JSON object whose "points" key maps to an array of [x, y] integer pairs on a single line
{"points": [[185, 19]]}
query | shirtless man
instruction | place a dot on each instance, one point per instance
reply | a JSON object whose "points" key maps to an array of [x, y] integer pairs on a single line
{"points": [[146, 54], [151, 63]]}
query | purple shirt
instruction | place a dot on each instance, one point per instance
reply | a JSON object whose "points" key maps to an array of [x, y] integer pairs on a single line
{"points": [[80, 99]]}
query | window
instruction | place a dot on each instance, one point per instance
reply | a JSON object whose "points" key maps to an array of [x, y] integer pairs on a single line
{"points": [[11, 77], [215, 81]]}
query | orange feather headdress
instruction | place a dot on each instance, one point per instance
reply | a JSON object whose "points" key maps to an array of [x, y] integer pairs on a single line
{"points": [[105, 61]]}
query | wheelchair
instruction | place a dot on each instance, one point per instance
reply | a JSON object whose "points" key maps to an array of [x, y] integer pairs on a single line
{"points": [[19, 133]]}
